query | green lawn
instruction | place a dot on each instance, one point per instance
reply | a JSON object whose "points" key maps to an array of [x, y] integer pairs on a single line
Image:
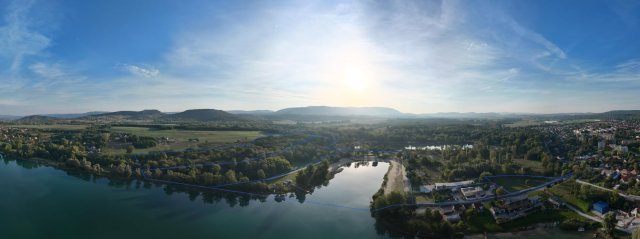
{"points": [[423, 199], [563, 190], [484, 222], [535, 166], [513, 184]]}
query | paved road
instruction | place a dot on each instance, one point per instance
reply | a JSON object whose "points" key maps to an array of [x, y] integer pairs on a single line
{"points": [[486, 199], [593, 218], [626, 196]]}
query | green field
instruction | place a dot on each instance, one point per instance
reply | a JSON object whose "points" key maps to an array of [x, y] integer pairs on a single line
{"points": [[182, 139], [185, 135], [535, 166], [563, 190], [513, 184], [484, 222], [50, 126]]}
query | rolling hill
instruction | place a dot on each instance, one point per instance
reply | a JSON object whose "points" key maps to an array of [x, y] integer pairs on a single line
{"points": [[201, 115]]}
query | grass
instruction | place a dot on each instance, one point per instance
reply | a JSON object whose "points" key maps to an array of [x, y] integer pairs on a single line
{"points": [[423, 199], [185, 135], [484, 222], [563, 190], [182, 139], [535, 166], [291, 177], [513, 184]]}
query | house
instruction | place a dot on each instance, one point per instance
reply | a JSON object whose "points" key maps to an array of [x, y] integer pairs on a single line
{"points": [[449, 214], [470, 193], [556, 201], [514, 207], [634, 213], [615, 176], [478, 206], [628, 175], [601, 207], [621, 148], [426, 188], [453, 186], [601, 145]]}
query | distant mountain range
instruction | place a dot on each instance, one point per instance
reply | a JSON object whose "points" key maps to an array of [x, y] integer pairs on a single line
{"points": [[342, 111], [188, 115], [309, 113], [71, 116]]}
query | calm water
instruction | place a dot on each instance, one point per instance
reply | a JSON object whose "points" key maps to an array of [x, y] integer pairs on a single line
{"points": [[43, 202]]}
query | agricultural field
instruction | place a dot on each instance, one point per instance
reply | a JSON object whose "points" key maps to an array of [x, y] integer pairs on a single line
{"points": [[514, 184], [50, 126], [185, 135], [181, 139]]}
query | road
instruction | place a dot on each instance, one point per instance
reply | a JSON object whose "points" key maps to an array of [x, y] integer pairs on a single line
{"points": [[486, 199], [633, 198], [593, 218]]}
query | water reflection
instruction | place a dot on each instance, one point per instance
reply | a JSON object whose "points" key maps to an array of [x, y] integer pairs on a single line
{"points": [[209, 196], [53, 199]]}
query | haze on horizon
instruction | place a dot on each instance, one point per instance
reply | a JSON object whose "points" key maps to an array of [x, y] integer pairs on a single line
{"points": [[70, 56]]}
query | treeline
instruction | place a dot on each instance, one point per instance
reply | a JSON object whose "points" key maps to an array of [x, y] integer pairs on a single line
{"points": [[313, 175]]}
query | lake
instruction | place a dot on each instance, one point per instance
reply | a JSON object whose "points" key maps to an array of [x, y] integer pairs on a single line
{"points": [[44, 202]]}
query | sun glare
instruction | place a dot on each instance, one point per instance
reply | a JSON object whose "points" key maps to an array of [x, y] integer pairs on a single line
{"points": [[355, 80]]}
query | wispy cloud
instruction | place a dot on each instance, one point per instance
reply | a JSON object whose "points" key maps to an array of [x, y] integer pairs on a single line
{"points": [[17, 39], [417, 56], [147, 72]]}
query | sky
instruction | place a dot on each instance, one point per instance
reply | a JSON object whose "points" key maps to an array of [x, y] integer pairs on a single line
{"points": [[542, 56]]}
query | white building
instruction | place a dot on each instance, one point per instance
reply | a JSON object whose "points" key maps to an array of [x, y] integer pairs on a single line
{"points": [[472, 192]]}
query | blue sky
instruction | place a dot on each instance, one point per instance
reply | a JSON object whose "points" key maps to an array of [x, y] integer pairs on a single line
{"points": [[68, 56]]}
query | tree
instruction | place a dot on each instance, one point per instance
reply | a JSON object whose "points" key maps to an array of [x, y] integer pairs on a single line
{"points": [[614, 197], [609, 223], [500, 191], [230, 176], [260, 174], [216, 169], [585, 192], [6, 148], [130, 149], [483, 175]]}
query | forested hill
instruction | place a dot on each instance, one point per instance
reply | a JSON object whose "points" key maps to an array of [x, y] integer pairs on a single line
{"points": [[36, 119], [130, 114], [202, 115]]}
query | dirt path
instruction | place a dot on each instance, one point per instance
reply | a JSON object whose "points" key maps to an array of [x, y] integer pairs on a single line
{"points": [[396, 178]]}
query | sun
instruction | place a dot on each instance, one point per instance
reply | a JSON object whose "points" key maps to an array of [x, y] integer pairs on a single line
{"points": [[355, 80]]}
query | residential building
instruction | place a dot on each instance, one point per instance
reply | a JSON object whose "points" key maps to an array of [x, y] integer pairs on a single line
{"points": [[470, 193], [601, 207], [514, 207]]}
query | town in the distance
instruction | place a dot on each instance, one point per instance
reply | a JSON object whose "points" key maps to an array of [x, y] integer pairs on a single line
{"points": [[448, 175]]}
